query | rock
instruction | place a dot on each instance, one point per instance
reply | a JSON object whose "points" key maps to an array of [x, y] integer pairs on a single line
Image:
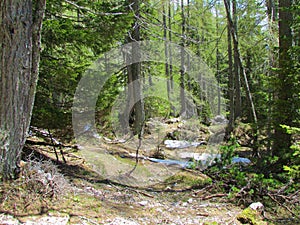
{"points": [[203, 160], [219, 119], [190, 201], [121, 221], [252, 215], [173, 144], [143, 203], [173, 120], [47, 220], [185, 204], [258, 206], [8, 220]]}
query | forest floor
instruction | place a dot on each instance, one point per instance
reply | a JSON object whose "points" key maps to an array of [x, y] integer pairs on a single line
{"points": [[80, 195], [90, 200]]}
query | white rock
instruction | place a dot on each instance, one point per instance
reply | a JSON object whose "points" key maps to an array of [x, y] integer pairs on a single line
{"points": [[143, 203], [185, 204], [8, 220], [257, 206], [190, 201], [181, 144]]}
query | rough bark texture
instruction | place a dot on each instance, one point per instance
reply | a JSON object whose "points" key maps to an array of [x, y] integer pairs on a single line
{"points": [[284, 96], [20, 30], [134, 74], [238, 96]]}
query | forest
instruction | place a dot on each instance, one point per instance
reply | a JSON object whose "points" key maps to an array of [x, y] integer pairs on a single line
{"points": [[149, 112]]}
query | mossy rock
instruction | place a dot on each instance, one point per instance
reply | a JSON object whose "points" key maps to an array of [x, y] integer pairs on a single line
{"points": [[250, 216]]}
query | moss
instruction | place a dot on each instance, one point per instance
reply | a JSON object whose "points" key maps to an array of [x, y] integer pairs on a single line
{"points": [[211, 223], [250, 216], [189, 179]]}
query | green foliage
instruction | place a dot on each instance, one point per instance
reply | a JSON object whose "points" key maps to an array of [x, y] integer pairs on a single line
{"points": [[293, 169], [72, 38], [156, 107], [228, 152]]}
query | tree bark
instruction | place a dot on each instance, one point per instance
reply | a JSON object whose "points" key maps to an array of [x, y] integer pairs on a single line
{"points": [[284, 92], [134, 75], [230, 126], [167, 67], [240, 63], [20, 33], [182, 69], [238, 96]]}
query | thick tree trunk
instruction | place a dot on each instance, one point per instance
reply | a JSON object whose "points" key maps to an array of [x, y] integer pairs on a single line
{"points": [[272, 17], [134, 75], [284, 111], [20, 32], [238, 96]]}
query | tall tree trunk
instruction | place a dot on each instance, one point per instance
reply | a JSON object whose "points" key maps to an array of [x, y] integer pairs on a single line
{"points": [[230, 84], [238, 96], [167, 63], [284, 93], [218, 61], [172, 113], [272, 16], [240, 62], [237, 56], [170, 39], [20, 32], [134, 75], [182, 69]]}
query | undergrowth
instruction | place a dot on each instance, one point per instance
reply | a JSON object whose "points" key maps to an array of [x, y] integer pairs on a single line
{"points": [[247, 184], [39, 184]]}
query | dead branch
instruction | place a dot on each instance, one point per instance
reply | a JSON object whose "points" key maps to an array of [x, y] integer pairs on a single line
{"points": [[219, 195], [284, 206]]}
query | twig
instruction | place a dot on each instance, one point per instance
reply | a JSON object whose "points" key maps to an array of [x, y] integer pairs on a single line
{"points": [[51, 138], [140, 136], [143, 193], [91, 11], [88, 220], [284, 206], [136, 156], [214, 196]]}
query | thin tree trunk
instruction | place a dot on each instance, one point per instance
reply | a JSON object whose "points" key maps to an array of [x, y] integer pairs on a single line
{"points": [[230, 126], [170, 50], [20, 33], [167, 68], [218, 62], [172, 113], [240, 63]]}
